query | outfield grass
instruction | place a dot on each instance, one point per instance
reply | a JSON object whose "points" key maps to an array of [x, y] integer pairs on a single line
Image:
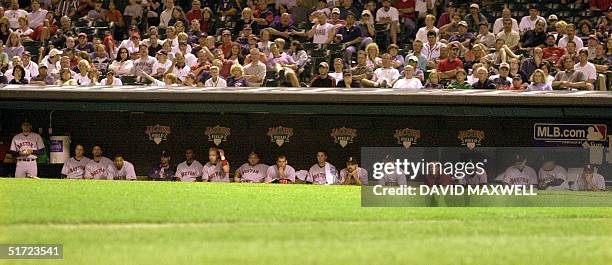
{"points": [[112, 222]]}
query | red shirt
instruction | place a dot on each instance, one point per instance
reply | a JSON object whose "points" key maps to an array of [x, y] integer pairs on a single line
{"points": [[448, 64], [227, 49], [194, 14], [601, 4], [401, 4], [554, 52]]}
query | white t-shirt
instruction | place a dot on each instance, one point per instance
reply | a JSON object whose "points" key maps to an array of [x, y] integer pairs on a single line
{"points": [[422, 34], [322, 33], [160, 68], [388, 74], [498, 26], [588, 70], [116, 82], [563, 42], [528, 24], [37, 18], [181, 73], [83, 80], [432, 52], [220, 82], [412, 83], [393, 13]]}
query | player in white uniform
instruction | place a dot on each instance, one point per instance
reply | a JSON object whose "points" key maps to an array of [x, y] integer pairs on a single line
{"points": [[353, 174], [520, 173], [26, 146], [121, 169], [392, 179], [552, 176], [98, 167], [281, 172], [190, 170], [323, 172], [74, 168], [589, 180], [252, 171], [217, 168]]}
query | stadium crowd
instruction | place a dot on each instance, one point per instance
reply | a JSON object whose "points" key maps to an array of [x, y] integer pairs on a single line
{"points": [[404, 44]]}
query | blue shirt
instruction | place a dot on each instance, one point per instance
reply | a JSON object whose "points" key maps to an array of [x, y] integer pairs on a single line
{"points": [[350, 34]]}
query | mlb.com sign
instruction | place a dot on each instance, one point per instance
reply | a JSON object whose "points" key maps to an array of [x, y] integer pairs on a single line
{"points": [[570, 134]]}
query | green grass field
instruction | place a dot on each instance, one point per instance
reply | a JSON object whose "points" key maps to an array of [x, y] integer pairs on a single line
{"points": [[112, 222]]}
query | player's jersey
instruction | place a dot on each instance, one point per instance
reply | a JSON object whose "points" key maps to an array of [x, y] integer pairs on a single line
{"points": [[214, 173], [474, 179], [598, 181], [99, 170], [327, 174], [392, 180], [125, 172], [255, 173], [22, 142], [558, 172], [189, 173], [75, 169], [273, 175], [514, 176], [361, 173]]}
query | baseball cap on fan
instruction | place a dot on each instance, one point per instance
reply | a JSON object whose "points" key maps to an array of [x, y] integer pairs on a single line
{"points": [[165, 154], [474, 6]]}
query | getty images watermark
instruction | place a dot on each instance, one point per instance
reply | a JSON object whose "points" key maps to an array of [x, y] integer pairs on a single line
{"points": [[483, 177]]}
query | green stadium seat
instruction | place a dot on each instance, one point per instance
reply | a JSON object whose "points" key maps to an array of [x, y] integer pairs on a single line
{"points": [[128, 79]]}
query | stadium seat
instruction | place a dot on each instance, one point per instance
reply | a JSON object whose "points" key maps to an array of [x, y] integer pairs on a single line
{"points": [[128, 80]]}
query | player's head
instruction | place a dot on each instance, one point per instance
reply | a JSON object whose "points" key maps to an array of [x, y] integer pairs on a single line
{"points": [[164, 158], [281, 161], [118, 161], [253, 159], [189, 155], [26, 126], [96, 151], [213, 154], [79, 150], [588, 171], [519, 161], [352, 164], [548, 163], [321, 156]]}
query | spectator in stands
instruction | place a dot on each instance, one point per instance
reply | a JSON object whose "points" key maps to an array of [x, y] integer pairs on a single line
{"points": [[123, 64], [208, 21], [114, 16], [460, 81], [97, 13], [498, 26], [448, 67], [166, 15], [131, 44], [518, 84], [529, 22], [14, 13], [299, 55], [348, 6], [552, 52], [178, 15], [83, 44], [483, 79], [323, 79], [552, 20], [452, 28], [236, 55], [447, 16], [144, 62], [421, 35], [228, 8], [28, 64], [52, 61], [322, 32], [372, 55], [515, 69], [255, 71], [46, 30], [215, 80], [585, 30], [538, 82], [570, 78], [362, 70], [397, 61], [409, 81], [534, 37], [384, 77], [511, 38], [474, 18], [348, 81], [37, 15], [366, 23], [196, 11], [485, 37], [24, 29], [418, 73], [134, 11], [338, 70], [431, 49], [335, 18], [546, 69], [531, 64], [179, 67], [571, 36], [5, 30], [406, 10], [560, 30], [463, 36], [237, 79], [584, 66], [65, 78], [592, 45], [82, 78], [13, 45], [602, 64], [43, 78], [352, 37], [503, 80], [390, 16], [433, 81], [570, 51], [111, 80], [94, 76], [284, 65], [18, 76], [417, 51]]}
